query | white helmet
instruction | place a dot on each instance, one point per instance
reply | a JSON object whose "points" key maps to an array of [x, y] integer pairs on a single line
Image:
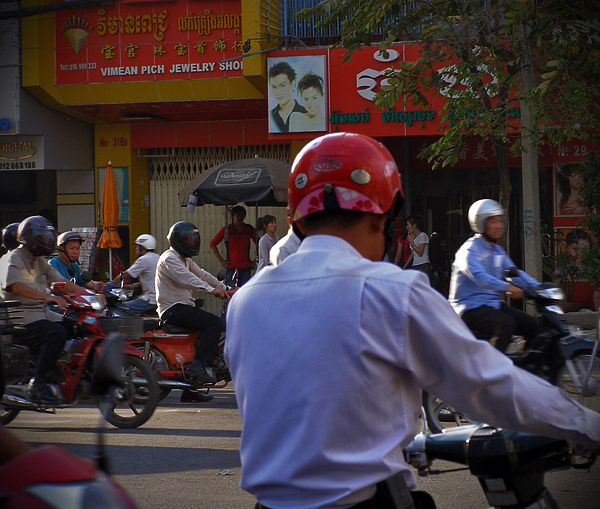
{"points": [[147, 241], [481, 211]]}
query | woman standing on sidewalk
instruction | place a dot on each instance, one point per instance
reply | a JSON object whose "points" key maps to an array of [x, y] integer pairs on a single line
{"points": [[419, 246]]}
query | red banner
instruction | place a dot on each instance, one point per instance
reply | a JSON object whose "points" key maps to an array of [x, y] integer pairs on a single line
{"points": [[148, 41]]}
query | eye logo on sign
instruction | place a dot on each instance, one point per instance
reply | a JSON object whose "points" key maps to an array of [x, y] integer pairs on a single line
{"points": [[76, 30]]}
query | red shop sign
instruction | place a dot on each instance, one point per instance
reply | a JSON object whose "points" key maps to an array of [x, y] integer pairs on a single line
{"points": [[125, 42]]}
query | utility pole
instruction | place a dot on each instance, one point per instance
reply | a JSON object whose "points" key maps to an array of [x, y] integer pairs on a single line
{"points": [[532, 235]]}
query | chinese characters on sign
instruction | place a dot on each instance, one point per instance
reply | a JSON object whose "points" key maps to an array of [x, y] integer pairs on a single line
{"points": [[141, 42]]}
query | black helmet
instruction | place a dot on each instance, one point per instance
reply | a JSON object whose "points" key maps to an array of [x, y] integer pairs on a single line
{"points": [[184, 238], [9, 236], [38, 235], [65, 237]]}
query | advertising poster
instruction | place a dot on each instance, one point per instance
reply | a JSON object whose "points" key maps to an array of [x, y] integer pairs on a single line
{"points": [[297, 92], [567, 180]]}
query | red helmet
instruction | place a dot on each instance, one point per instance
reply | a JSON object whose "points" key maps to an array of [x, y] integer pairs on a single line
{"points": [[345, 171]]}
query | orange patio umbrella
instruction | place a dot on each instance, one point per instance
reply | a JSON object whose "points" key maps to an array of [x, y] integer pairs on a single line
{"points": [[109, 215]]}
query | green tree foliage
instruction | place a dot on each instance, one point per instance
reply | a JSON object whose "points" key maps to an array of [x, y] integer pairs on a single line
{"points": [[474, 52], [589, 196]]}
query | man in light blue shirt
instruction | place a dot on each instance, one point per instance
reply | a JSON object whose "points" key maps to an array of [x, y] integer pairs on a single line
{"points": [[478, 281]]}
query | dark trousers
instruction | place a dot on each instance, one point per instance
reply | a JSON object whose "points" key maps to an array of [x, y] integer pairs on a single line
{"points": [[208, 326], [46, 340], [499, 325], [243, 276]]}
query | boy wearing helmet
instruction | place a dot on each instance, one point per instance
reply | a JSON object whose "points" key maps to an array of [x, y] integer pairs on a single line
{"points": [[144, 268], [25, 276], [477, 281], [69, 248], [308, 341], [177, 276]]}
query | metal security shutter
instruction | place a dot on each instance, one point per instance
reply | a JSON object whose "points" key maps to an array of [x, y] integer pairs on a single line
{"points": [[172, 169]]}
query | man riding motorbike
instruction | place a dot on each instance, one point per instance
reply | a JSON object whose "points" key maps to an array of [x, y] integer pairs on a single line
{"points": [[329, 350], [176, 277], [143, 268], [25, 276], [477, 281], [69, 247]]}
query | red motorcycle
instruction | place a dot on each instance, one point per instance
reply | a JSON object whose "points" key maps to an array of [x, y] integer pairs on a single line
{"points": [[170, 350], [133, 401], [50, 476]]}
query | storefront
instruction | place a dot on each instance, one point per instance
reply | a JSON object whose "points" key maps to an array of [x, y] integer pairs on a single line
{"points": [[172, 90]]}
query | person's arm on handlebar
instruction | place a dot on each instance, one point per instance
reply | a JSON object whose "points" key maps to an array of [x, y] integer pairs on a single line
{"points": [[25, 291]]}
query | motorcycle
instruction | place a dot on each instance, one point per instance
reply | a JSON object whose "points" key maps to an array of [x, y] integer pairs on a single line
{"points": [[167, 348], [509, 466], [170, 350], [137, 396], [52, 477], [563, 355]]}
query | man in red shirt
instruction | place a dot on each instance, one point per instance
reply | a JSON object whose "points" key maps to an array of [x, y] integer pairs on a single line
{"points": [[237, 237]]}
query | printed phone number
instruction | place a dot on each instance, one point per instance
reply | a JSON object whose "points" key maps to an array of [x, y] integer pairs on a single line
{"points": [[77, 67], [17, 165]]}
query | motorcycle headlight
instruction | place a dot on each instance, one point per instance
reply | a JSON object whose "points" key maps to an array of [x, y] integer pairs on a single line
{"points": [[553, 293], [97, 493], [97, 302]]}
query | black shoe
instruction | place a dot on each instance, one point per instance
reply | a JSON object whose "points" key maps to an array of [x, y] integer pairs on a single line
{"points": [[197, 369], [195, 397], [40, 392]]}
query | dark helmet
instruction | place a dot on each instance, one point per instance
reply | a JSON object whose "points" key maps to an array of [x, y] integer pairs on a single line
{"points": [[9, 236], [38, 235], [65, 237], [184, 238]]}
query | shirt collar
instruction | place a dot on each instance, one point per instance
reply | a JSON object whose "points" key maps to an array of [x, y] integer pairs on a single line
{"points": [[328, 243]]}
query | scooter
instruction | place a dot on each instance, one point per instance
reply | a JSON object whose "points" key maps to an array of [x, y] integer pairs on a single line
{"points": [[563, 355], [51, 477], [509, 466], [132, 404], [170, 350]]}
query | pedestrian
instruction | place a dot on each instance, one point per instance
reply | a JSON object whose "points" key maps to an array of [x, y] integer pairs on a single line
{"points": [[236, 236], [418, 241], [403, 250], [330, 350], [267, 223], [285, 246]]}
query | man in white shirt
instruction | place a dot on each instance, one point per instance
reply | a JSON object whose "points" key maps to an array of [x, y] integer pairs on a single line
{"points": [[176, 278], [144, 268], [284, 247], [311, 340]]}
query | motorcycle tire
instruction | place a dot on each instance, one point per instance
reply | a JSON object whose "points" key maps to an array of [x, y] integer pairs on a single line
{"points": [[7, 414], [134, 402], [440, 415], [159, 363], [571, 382]]}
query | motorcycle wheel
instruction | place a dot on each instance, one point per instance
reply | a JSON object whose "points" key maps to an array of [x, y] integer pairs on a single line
{"points": [[134, 402], [441, 415], [572, 383], [159, 363], [7, 414]]}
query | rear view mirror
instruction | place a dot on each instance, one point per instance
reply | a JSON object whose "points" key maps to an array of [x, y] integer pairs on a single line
{"points": [[511, 272], [71, 269], [109, 363]]}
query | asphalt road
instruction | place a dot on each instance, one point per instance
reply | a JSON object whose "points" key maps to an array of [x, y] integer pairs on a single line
{"points": [[187, 456]]}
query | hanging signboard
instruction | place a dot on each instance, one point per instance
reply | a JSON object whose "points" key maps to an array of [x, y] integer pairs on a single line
{"points": [[121, 42]]}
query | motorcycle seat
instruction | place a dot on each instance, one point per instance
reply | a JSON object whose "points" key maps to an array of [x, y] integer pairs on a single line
{"points": [[174, 329]]}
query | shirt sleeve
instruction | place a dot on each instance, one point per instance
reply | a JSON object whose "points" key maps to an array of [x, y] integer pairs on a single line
{"points": [[467, 262], [471, 375], [175, 269], [206, 277], [217, 239], [137, 268]]}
